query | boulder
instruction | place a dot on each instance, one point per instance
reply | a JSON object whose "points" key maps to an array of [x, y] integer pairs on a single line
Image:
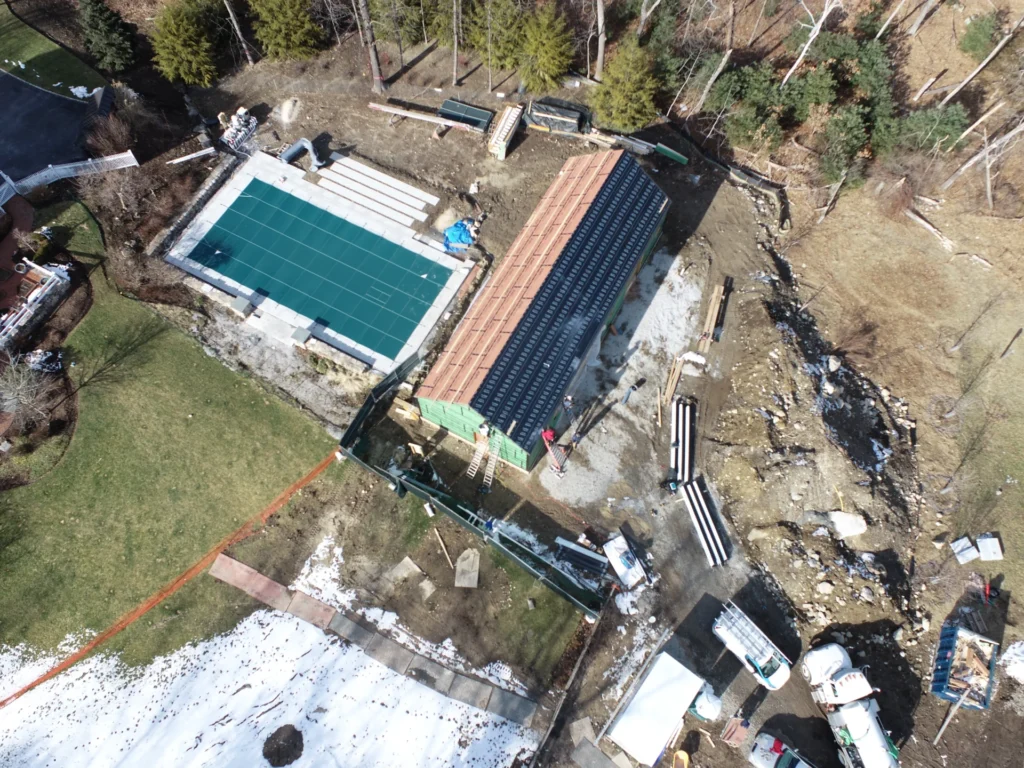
{"points": [[846, 524]]}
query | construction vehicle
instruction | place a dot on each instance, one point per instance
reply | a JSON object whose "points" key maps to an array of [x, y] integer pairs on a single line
{"points": [[751, 646], [771, 752], [843, 694]]}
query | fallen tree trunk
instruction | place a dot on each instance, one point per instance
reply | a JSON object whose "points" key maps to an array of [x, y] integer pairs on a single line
{"points": [[925, 11], [998, 144], [921, 221], [711, 82], [995, 52]]}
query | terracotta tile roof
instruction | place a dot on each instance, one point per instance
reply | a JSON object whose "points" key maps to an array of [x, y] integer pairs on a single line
{"points": [[519, 340]]}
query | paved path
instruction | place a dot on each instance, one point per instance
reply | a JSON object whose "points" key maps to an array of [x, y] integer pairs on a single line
{"points": [[468, 690], [39, 128]]}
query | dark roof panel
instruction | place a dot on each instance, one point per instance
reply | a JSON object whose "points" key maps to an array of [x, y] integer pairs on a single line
{"points": [[536, 364]]}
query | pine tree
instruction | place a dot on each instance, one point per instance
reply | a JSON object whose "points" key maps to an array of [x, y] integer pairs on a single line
{"points": [[182, 47], [546, 50], [625, 99], [286, 29], [107, 37], [394, 17], [506, 32]]}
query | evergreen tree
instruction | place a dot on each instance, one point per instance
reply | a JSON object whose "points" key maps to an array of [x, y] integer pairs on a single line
{"points": [[392, 18], [506, 32], [286, 29], [182, 46], [546, 50], [624, 101], [107, 37]]}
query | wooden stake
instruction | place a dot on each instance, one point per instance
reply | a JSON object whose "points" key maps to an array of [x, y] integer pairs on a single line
{"points": [[988, 173], [444, 549], [659, 406], [995, 52], [1014, 339]]}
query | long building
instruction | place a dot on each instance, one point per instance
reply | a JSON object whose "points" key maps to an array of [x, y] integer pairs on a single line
{"points": [[524, 341]]}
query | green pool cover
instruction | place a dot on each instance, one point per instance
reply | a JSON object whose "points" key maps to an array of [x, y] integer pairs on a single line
{"points": [[352, 281]]}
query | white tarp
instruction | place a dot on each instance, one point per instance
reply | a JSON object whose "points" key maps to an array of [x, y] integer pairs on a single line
{"points": [[655, 714], [623, 562]]}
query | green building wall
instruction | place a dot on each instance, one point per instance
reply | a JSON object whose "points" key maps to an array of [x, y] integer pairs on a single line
{"points": [[463, 421]]}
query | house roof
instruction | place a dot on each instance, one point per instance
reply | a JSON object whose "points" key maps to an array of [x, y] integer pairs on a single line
{"points": [[517, 348]]}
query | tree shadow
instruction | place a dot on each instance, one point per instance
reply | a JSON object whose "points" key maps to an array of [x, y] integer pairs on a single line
{"points": [[411, 63], [989, 616], [118, 358]]}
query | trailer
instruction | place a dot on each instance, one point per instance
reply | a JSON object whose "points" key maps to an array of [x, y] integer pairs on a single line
{"points": [[965, 667]]}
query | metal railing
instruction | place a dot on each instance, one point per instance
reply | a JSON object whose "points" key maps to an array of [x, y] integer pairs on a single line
{"points": [[67, 170]]}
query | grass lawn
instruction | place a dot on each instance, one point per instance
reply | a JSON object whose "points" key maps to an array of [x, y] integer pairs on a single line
{"points": [[74, 229], [172, 451], [46, 63]]}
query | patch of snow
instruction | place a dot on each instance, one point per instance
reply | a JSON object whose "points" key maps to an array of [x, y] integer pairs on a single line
{"points": [[321, 576], [81, 92], [622, 671], [1013, 660], [626, 601], [215, 702]]}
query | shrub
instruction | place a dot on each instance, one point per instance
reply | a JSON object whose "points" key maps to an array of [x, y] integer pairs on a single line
{"points": [[746, 127], [920, 130], [182, 47], [817, 87], [980, 37], [506, 32], [107, 37], [286, 29], [624, 101], [546, 51], [845, 136]]}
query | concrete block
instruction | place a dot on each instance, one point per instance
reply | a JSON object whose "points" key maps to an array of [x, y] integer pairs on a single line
{"points": [[389, 653], [580, 730], [427, 588], [467, 569], [431, 674], [512, 707], [250, 581], [586, 755], [470, 691], [310, 609], [621, 760], [344, 627]]}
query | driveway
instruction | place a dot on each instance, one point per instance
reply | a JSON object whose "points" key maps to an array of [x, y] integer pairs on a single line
{"points": [[40, 128]]}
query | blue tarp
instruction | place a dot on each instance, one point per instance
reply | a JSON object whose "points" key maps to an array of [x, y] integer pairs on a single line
{"points": [[458, 237]]}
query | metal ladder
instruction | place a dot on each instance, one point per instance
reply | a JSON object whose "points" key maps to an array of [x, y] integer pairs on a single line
{"points": [[478, 456], [492, 462], [748, 631]]}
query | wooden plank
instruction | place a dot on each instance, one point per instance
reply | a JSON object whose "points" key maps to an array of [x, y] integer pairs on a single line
{"points": [[373, 173], [365, 202], [425, 117], [380, 201]]}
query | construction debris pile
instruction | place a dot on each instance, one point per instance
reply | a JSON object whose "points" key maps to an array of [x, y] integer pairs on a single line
{"points": [[965, 667]]}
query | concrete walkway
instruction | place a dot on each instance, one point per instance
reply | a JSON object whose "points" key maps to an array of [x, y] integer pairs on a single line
{"points": [[455, 685]]}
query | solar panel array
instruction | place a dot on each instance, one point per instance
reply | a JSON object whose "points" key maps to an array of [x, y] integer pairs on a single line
{"points": [[526, 384]]}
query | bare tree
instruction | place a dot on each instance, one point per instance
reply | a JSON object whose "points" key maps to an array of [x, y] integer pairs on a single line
{"points": [[238, 32], [602, 38], [338, 15], [25, 393], [815, 26], [371, 45], [647, 8], [397, 19], [455, 43], [888, 21]]}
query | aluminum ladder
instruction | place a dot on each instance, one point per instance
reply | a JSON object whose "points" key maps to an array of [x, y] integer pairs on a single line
{"points": [[478, 456], [747, 631], [492, 463]]}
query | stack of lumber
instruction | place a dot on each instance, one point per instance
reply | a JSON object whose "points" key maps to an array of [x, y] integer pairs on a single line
{"points": [[707, 334], [970, 669]]}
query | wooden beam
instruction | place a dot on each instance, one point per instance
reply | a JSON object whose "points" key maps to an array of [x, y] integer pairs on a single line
{"points": [[425, 117]]}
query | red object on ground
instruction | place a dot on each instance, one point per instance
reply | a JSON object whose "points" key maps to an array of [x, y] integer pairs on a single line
{"points": [[169, 589], [548, 435]]}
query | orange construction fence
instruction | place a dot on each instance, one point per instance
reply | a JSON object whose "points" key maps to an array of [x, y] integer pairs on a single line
{"points": [[181, 580]]}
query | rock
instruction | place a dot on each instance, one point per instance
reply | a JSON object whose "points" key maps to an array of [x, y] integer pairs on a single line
{"points": [[897, 634], [826, 587], [834, 363], [757, 534], [867, 595], [940, 541], [531, 603], [846, 524]]}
